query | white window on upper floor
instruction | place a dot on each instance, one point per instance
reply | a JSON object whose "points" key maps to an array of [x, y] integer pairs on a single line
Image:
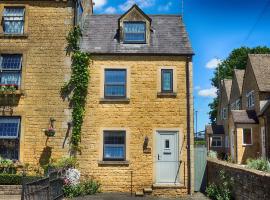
{"points": [[250, 99], [233, 106], [237, 104], [13, 20], [224, 113], [216, 141]]}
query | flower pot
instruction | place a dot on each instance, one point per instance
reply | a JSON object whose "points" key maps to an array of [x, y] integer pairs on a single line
{"points": [[50, 133]]}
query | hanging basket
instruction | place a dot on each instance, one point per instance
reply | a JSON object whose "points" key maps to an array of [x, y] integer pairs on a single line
{"points": [[50, 132]]}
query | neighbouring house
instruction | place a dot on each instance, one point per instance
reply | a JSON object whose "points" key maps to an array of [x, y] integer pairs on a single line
{"points": [[218, 134], [34, 67], [249, 124], [138, 127], [235, 104]]}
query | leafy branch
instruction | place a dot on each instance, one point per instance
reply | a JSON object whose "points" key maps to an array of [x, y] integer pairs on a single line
{"points": [[78, 84]]}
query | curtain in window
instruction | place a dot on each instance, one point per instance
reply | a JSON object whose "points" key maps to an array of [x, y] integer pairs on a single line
{"points": [[10, 78], [13, 20], [134, 32], [115, 83]]}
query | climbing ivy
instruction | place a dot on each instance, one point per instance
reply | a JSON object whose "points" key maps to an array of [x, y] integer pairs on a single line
{"points": [[77, 85]]}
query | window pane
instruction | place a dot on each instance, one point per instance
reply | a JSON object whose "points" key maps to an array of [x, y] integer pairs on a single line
{"points": [[114, 145], [9, 148], [115, 76], [11, 61], [247, 136], [167, 80], [134, 37], [115, 91], [115, 83], [13, 20], [114, 152], [10, 78], [9, 127], [134, 32]]}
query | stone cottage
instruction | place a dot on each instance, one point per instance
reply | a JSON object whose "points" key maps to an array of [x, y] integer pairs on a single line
{"points": [[34, 67], [138, 124]]}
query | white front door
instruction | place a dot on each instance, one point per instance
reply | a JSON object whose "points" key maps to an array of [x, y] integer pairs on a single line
{"points": [[167, 158], [263, 141], [232, 144]]}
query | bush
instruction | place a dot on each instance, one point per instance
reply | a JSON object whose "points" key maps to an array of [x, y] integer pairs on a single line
{"points": [[261, 164], [88, 187], [63, 163], [221, 191], [15, 179], [212, 154]]}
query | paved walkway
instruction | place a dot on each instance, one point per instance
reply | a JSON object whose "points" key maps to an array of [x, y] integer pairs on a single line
{"points": [[115, 196], [108, 196]]}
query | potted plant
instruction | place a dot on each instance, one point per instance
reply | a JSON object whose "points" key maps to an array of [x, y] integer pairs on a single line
{"points": [[50, 132]]}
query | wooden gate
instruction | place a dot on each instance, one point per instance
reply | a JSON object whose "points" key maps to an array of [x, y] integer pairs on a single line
{"points": [[48, 188], [200, 155]]}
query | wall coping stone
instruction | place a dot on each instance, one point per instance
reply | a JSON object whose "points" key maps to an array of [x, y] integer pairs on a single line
{"points": [[238, 167]]}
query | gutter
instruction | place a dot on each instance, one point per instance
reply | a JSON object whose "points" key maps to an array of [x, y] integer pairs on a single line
{"points": [[188, 123]]}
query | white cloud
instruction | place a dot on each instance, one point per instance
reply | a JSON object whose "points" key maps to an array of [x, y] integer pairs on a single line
{"points": [[165, 7], [213, 63], [210, 92], [110, 10], [141, 3], [99, 3]]}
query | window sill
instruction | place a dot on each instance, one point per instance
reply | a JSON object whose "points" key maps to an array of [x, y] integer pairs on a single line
{"points": [[5, 35], [168, 95], [246, 145], [122, 100], [113, 162]]}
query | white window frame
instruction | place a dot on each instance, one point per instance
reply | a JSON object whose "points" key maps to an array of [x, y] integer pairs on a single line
{"points": [[220, 138], [250, 99], [237, 104], [244, 144], [227, 141], [224, 113]]}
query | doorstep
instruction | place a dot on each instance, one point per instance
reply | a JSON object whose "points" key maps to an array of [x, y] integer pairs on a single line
{"points": [[169, 186]]}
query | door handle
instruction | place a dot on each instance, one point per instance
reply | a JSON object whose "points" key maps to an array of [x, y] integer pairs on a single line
{"points": [[158, 156]]}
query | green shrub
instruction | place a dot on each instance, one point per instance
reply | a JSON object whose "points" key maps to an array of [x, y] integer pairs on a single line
{"points": [[63, 163], [221, 191], [212, 154], [15, 179], [88, 187], [261, 164]]}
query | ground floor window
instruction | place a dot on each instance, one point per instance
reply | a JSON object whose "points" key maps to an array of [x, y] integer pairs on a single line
{"points": [[114, 145], [9, 137], [247, 136], [216, 141], [226, 141]]}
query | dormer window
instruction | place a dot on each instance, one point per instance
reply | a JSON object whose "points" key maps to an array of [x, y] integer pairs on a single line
{"points": [[135, 32]]}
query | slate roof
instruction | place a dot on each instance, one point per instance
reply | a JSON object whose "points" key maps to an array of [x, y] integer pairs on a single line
{"points": [[214, 129], [244, 117], [260, 64], [168, 36], [239, 76]]}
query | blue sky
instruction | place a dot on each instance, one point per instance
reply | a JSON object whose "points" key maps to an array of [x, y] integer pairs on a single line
{"points": [[215, 28]]}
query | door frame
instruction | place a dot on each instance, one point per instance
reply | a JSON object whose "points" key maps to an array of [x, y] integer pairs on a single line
{"points": [[232, 144], [179, 139]]}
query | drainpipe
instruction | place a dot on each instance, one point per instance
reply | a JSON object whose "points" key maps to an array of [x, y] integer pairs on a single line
{"points": [[188, 123]]}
